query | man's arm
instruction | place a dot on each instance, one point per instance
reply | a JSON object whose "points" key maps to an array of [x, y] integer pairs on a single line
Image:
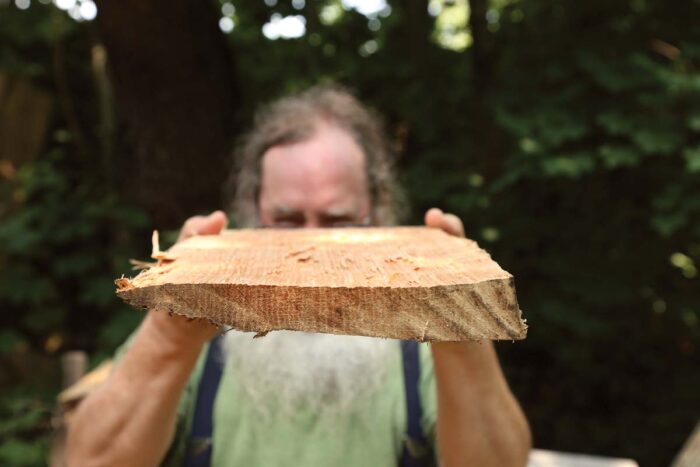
{"points": [[130, 419], [479, 421]]}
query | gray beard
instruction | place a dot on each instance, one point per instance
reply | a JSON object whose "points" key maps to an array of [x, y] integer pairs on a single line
{"points": [[287, 371]]}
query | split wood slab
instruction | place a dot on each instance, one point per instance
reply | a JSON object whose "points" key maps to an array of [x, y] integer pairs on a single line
{"points": [[403, 282]]}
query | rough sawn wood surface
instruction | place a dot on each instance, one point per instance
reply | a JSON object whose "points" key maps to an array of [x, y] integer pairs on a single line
{"points": [[403, 282]]}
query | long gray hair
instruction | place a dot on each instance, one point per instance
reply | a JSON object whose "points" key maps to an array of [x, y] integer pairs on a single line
{"points": [[293, 119]]}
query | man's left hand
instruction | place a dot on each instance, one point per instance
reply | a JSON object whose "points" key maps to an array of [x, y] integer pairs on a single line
{"points": [[445, 221], [479, 420]]}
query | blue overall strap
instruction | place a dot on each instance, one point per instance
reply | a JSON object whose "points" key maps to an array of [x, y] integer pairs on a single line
{"points": [[200, 441], [416, 449]]}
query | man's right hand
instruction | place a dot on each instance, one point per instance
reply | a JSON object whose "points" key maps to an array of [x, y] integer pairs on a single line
{"points": [[182, 331], [130, 419], [212, 224]]}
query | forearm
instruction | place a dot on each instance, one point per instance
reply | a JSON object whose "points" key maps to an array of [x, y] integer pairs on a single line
{"points": [[479, 421], [130, 419]]}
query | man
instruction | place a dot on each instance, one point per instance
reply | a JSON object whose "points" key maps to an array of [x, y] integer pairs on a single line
{"points": [[316, 159]]}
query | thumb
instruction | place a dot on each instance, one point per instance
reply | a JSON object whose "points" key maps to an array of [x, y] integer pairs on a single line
{"points": [[203, 225], [213, 224]]}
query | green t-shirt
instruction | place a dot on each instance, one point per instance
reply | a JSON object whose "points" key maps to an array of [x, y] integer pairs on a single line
{"points": [[372, 435]]}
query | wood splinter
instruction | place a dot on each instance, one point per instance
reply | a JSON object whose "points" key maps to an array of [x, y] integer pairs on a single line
{"points": [[160, 256], [122, 283]]}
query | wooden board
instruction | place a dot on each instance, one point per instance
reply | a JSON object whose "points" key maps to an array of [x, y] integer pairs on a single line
{"points": [[404, 282]]}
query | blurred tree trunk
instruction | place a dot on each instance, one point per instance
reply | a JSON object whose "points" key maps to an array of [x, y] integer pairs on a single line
{"points": [[408, 43], [487, 134], [418, 26], [176, 97]]}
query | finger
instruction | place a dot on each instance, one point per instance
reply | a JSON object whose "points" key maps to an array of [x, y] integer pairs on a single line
{"points": [[448, 222], [433, 218], [453, 225], [213, 224], [189, 228], [203, 225]]}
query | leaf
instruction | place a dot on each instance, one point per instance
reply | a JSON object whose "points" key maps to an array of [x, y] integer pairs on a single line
{"points": [[668, 224], [694, 122], [19, 453], [559, 126], [615, 156], [692, 159], [572, 166], [9, 341], [657, 140], [615, 76], [615, 123]]}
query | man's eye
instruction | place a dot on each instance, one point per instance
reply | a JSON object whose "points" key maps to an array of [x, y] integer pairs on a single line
{"points": [[340, 222], [343, 223], [287, 223]]}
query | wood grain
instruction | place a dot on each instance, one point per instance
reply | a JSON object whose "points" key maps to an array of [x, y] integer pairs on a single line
{"points": [[403, 282]]}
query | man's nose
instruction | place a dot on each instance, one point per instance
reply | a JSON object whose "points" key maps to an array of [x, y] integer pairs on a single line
{"points": [[312, 223]]}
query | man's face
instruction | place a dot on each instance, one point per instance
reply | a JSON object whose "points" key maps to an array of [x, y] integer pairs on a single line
{"points": [[320, 182]]}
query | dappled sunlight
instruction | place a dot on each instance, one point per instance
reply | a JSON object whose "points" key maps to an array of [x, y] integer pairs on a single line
{"points": [[79, 10], [366, 7], [284, 27], [451, 23]]}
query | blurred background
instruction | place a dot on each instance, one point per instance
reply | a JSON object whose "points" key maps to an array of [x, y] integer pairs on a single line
{"points": [[565, 134]]}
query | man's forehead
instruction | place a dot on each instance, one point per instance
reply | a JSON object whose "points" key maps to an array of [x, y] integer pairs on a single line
{"points": [[329, 150], [325, 175]]}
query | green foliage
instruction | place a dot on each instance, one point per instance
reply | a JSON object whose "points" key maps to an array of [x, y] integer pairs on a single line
{"points": [[70, 221], [26, 38], [60, 251], [24, 429], [65, 234]]}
